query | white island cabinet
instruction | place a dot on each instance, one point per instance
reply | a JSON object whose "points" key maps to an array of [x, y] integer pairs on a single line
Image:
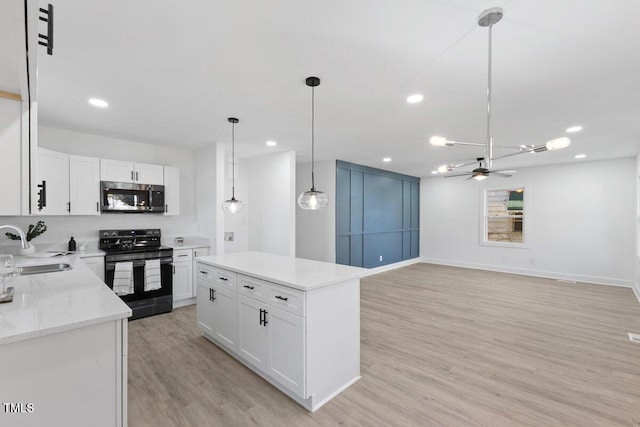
{"points": [[63, 351], [295, 322]]}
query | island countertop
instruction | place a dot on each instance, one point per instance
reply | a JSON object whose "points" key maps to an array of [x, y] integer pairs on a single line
{"points": [[298, 273], [48, 303]]}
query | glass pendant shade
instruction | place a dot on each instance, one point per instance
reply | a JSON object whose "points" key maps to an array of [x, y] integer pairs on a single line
{"points": [[313, 199], [480, 177], [232, 206]]}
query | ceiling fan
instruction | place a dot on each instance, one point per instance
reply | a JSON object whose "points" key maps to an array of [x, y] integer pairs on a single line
{"points": [[487, 19], [481, 172]]}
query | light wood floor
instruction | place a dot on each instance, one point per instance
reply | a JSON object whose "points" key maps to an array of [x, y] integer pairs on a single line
{"points": [[440, 346]]}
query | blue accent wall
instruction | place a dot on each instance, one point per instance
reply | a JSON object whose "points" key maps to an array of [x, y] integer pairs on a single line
{"points": [[377, 215]]}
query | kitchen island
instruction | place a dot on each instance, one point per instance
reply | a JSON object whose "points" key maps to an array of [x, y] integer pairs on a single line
{"points": [[295, 322], [63, 350]]}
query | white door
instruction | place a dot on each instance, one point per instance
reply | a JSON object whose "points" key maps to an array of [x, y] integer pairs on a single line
{"points": [[84, 185], [53, 168], [116, 170], [225, 313], [171, 190], [252, 335], [182, 280], [204, 308], [149, 174], [285, 349]]}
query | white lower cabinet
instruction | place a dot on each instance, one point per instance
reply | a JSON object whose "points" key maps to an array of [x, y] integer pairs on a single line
{"points": [[182, 280], [216, 308], [285, 349], [252, 335]]}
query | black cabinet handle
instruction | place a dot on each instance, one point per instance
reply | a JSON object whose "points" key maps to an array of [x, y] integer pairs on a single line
{"points": [[136, 176], [223, 278], [42, 195], [249, 287], [47, 16], [210, 294], [282, 298], [203, 272], [131, 175], [263, 317], [213, 294], [97, 206]]}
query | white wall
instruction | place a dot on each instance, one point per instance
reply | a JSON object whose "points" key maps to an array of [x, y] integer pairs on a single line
{"points": [[208, 211], [582, 219], [238, 223], [85, 228], [316, 230], [272, 213]]}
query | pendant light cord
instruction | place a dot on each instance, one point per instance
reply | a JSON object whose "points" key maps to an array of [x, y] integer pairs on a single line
{"points": [[233, 161], [313, 160]]}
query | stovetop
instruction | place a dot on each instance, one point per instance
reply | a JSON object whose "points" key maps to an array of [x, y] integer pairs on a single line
{"points": [[131, 240]]}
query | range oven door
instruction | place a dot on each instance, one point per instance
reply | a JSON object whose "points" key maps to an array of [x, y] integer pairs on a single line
{"points": [[129, 197], [151, 302]]}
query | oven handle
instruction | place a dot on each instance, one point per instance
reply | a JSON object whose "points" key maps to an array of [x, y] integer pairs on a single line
{"points": [[138, 263]]}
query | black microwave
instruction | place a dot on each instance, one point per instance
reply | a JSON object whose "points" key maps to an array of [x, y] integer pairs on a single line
{"points": [[133, 198]]}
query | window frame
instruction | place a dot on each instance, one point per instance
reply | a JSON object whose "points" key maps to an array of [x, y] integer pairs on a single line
{"points": [[526, 217]]}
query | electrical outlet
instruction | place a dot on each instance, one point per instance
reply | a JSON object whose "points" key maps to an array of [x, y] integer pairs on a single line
{"points": [[228, 236], [380, 258]]}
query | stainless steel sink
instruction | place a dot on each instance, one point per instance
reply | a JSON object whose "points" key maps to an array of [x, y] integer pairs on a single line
{"points": [[41, 269]]}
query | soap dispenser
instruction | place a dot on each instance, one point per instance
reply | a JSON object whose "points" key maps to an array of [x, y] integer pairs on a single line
{"points": [[72, 245]]}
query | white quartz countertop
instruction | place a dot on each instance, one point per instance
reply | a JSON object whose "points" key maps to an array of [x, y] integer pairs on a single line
{"points": [[48, 303], [296, 273]]}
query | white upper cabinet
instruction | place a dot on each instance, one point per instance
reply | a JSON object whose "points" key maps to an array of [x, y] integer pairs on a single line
{"points": [[149, 174], [84, 185], [53, 175], [10, 164], [171, 190], [121, 171]]}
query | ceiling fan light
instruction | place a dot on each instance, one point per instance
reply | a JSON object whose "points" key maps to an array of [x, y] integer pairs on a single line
{"points": [[438, 141], [558, 143], [480, 177], [313, 200]]}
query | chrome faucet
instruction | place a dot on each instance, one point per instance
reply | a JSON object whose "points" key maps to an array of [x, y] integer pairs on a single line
{"points": [[23, 239]]}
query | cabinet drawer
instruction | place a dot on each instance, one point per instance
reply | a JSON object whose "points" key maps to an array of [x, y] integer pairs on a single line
{"points": [[289, 299], [252, 287], [226, 279], [180, 255], [206, 274]]}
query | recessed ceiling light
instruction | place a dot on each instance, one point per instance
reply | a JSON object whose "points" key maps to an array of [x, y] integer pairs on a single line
{"points": [[97, 102], [386, 159], [415, 98], [434, 172], [574, 129], [271, 143], [580, 156]]}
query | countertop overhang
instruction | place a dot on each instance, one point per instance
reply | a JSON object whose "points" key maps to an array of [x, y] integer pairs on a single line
{"points": [[298, 273]]}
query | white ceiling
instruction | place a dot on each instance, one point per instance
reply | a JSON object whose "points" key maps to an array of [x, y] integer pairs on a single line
{"points": [[173, 71]]}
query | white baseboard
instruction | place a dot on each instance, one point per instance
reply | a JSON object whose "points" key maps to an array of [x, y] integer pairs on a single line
{"points": [[376, 270], [636, 289], [537, 273], [184, 302]]}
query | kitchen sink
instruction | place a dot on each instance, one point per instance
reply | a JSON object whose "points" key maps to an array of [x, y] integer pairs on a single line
{"points": [[41, 269]]}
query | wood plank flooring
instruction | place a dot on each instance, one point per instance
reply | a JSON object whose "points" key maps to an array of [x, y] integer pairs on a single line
{"points": [[440, 346]]}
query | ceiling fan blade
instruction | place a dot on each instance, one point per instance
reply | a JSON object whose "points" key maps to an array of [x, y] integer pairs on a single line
{"points": [[510, 171], [470, 177], [459, 174], [503, 175]]}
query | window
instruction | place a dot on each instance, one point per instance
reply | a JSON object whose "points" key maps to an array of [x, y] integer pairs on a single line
{"points": [[505, 222]]}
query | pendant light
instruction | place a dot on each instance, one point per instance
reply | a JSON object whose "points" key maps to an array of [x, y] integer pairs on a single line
{"points": [[313, 199], [233, 205]]}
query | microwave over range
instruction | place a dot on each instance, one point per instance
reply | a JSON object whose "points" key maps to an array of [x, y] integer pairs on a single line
{"points": [[128, 197]]}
